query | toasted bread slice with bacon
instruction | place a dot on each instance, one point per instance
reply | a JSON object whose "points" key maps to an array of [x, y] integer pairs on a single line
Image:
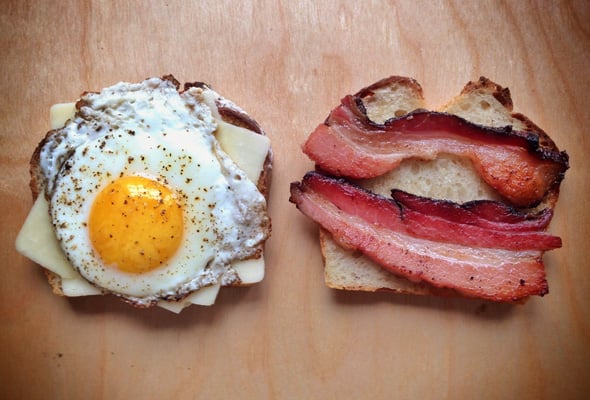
{"points": [[446, 176]]}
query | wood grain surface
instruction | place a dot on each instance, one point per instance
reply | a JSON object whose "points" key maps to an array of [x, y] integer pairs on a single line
{"points": [[290, 337]]}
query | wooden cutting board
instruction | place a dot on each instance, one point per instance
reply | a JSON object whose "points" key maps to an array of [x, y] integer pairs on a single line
{"points": [[290, 337]]}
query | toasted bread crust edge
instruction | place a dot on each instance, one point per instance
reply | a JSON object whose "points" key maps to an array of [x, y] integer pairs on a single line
{"points": [[410, 83], [500, 93]]}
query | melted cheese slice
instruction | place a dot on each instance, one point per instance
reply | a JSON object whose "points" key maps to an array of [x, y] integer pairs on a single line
{"points": [[37, 241]]}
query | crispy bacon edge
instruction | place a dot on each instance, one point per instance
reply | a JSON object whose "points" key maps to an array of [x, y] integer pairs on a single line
{"points": [[377, 227], [484, 213]]}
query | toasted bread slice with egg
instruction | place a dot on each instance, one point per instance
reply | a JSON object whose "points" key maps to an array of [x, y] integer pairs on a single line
{"points": [[237, 134]]}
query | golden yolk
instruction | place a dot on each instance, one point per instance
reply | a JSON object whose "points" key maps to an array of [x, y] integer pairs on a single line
{"points": [[136, 224]]}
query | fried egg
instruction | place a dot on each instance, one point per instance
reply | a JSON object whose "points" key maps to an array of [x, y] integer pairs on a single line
{"points": [[143, 201]]}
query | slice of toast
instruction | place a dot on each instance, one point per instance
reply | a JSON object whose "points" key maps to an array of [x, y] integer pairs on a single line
{"points": [[228, 111], [447, 177]]}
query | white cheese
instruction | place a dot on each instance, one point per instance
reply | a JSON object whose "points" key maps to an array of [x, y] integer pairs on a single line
{"points": [[250, 271], [78, 287], [203, 297], [37, 241], [60, 113], [248, 149]]}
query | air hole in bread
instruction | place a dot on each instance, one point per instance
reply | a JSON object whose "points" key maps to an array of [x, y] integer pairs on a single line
{"points": [[414, 168], [484, 104]]}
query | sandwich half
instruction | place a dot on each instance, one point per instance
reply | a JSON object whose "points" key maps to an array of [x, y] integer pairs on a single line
{"points": [[151, 192], [449, 202]]}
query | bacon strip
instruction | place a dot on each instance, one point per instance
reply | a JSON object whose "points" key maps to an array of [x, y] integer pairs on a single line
{"points": [[349, 144], [377, 227], [483, 213], [434, 224]]}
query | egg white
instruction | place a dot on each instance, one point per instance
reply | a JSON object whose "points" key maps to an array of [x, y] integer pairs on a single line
{"points": [[158, 134]]}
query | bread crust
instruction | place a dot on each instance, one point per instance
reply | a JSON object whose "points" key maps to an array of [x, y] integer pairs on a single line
{"points": [[486, 85], [392, 83], [229, 112]]}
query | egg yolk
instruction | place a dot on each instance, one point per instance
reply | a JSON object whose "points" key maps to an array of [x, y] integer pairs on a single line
{"points": [[135, 224]]}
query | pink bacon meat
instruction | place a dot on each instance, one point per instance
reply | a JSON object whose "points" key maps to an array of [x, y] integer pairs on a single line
{"points": [[349, 144], [474, 261]]}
